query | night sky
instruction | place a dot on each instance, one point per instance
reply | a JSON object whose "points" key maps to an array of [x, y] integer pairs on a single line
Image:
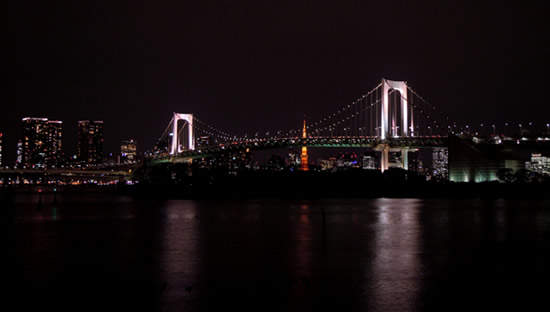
{"points": [[246, 66]]}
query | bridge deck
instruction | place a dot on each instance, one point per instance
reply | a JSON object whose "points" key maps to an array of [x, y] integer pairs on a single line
{"points": [[263, 144]]}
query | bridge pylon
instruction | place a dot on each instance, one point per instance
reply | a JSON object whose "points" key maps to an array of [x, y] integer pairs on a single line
{"points": [[190, 144], [386, 118]]}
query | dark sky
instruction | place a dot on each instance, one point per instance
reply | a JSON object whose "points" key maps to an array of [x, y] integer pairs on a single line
{"points": [[253, 65]]}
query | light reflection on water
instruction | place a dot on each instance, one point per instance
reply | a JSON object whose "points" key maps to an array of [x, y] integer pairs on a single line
{"points": [[179, 261], [376, 254], [395, 272]]}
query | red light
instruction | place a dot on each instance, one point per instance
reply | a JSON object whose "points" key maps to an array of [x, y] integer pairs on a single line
{"points": [[39, 190]]}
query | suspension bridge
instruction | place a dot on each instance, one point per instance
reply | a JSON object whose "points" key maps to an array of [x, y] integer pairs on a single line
{"points": [[391, 117]]}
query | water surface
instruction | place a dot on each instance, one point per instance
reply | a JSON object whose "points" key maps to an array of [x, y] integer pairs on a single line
{"points": [[94, 251]]}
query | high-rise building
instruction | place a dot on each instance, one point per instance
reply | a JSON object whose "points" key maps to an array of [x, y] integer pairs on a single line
{"points": [[440, 163], [19, 159], [128, 152], [90, 142], [40, 143], [35, 139], [55, 136]]}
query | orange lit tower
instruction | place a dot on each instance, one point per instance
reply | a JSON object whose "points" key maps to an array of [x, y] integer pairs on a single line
{"points": [[304, 166]]}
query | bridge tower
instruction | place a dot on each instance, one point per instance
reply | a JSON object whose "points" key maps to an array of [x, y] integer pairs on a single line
{"points": [[188, 118], [304, 165], [387, 119]]}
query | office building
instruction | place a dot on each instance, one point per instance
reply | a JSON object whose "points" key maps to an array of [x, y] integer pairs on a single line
{"points": [[539, 164], [327, 164], [440, 163], [19, 159], [369, 161], [34, 142], [128, 152], [90, 142], [347, 161], [55, 136]]}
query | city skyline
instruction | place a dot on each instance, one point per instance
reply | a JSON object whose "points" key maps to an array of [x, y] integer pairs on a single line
{"points": [[251, 67], [275, 155]]}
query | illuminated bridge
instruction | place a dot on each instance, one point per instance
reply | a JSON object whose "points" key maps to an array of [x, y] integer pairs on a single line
{"points": [[263, 144], [391, 117]]}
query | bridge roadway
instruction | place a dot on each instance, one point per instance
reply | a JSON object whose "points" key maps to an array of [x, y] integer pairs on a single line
{"points": [[274, 143], [530, 143], [68, 172]]}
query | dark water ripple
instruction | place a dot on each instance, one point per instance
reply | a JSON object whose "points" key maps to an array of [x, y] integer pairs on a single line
{"points": [[102, 252]]}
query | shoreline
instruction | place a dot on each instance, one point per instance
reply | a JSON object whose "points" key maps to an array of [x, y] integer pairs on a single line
{"points": [[250, 190]]}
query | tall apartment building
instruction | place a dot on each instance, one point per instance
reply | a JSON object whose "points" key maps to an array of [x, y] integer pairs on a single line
{"points": [[55, 136], [90, 142], [41, 143]]}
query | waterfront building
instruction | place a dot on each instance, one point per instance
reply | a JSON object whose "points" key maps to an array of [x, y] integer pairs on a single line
{"points": [[34, 142], [41, 143], [90, 142], [128, 152], [539, 164], [440, 163], [347, 161], [369, 161], [479, 163], [327, 164], [55, 145]]}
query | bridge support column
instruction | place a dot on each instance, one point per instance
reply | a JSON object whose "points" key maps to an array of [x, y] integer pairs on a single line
{"points": [[405, 158], [385, 157]]}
